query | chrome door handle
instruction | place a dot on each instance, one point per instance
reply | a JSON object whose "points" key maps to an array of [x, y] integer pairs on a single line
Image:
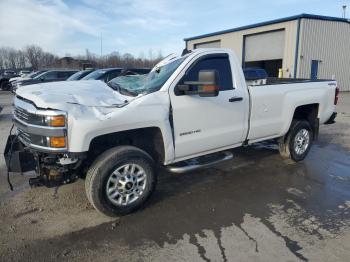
{"points": [[235, 99]]}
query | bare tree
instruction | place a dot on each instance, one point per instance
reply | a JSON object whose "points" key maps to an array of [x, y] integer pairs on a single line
{"points": [[47, 59], [34, 55], [21, 61], [2, 66]]}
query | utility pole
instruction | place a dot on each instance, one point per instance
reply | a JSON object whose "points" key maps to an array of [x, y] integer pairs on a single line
{"points": [[344, 11], [101, 44]]}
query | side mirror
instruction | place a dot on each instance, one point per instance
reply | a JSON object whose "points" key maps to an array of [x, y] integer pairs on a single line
{"points": [[42, 78], [206, 86], [209, 86]]}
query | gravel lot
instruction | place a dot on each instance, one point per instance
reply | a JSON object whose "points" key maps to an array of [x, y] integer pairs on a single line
{"points": [[253, 208]]}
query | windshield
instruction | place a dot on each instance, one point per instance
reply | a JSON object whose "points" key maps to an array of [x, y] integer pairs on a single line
{"points": [[31, 75], [78, 75], [94, 75], [39, 75], [34, 74], [144, 84]]}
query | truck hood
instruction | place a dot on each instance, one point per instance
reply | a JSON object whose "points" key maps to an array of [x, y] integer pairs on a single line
{"points": [[55, 95]]}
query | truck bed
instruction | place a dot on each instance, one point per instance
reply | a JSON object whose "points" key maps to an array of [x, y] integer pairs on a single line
{"points": [[272, 104]]}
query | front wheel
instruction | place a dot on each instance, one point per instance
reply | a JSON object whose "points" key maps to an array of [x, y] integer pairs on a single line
{"points": [[120, 181], [297, 143]]}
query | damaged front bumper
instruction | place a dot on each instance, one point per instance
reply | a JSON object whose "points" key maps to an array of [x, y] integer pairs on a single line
{"points": [[17, 157], [52, 169]]}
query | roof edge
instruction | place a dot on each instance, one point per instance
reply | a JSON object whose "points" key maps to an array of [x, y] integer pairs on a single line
{"points": [[270, 22]]}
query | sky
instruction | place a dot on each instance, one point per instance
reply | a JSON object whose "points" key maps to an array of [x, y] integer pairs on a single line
{"points": [[137, 26]]}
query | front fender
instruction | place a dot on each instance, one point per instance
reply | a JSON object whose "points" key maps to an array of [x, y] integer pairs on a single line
{"points": [[87, 123]]}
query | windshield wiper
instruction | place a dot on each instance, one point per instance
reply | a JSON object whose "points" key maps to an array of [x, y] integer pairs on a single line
{"points": [[127, 91], [113, 86]]}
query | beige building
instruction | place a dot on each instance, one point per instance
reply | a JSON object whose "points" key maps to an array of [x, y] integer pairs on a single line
{"points": [[304, 46]]}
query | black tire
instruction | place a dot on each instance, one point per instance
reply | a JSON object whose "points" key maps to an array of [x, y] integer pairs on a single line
{"points": [[287, 146], [5, 85], [101, 170]]}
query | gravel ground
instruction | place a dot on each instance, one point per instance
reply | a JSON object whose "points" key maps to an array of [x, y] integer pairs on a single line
{"points": [[253, 208]]}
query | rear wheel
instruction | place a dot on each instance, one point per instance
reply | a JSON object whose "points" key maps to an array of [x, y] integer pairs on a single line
{"points": [[297, 143], [121, 180]]}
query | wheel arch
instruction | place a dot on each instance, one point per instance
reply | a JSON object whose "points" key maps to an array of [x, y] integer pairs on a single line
{"points": [[308, 112], [149, 139]]}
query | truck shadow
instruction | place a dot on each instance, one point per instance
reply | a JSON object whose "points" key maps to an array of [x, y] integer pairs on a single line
{"points": [[254, 183]]}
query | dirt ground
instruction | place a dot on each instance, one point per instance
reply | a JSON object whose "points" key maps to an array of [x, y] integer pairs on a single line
{"points": [[253, 208]]}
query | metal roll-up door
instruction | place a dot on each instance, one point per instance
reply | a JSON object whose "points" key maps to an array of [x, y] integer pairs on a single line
{"points": [[265, 46]]}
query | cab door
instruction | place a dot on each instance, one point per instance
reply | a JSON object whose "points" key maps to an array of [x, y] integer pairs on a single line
{"points": [[204, 124]]}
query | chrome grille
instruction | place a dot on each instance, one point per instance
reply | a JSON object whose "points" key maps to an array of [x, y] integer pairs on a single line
{"points": [[22, 114], [24, 136], [27, 117], [32, 125]]}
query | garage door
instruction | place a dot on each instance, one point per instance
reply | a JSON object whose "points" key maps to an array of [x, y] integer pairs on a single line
{"points": [[264, 46], [212, 44]]}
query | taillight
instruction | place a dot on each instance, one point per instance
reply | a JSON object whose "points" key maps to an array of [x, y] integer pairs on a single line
{"points": [[336, 97]]}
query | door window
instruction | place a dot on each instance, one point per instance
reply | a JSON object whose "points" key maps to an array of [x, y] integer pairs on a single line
{"points": [[63, 75], [50, 75], [221, 64]]}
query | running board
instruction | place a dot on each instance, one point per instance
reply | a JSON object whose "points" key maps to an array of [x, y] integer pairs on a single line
{"points": [[200, 162]]}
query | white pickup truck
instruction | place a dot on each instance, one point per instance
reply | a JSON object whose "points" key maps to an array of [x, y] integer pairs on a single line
{"points": [[185, 114]]}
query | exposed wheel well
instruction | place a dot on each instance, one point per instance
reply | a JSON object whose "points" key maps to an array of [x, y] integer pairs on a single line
{"points": [[309, 113], [306, 112], [148, 139]]}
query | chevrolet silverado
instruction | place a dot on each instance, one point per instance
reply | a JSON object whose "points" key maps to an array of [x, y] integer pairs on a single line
{"points": [[187, 113]]}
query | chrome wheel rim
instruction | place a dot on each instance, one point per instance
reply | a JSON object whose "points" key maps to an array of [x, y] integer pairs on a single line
{"points": [[301, 141], [126, 184]]}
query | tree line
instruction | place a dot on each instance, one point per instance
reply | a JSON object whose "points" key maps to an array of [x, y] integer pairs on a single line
{"points": [[34, 57]]}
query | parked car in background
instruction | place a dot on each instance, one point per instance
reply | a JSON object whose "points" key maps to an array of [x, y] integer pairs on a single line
{"points": [[108, 74], [31, 75], [80, 74], [9, 73], [24, 72], [4, 79], [48, 76], [255, 76]]}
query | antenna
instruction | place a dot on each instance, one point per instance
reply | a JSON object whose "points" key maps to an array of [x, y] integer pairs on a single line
{"points": [[344, 11]]}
